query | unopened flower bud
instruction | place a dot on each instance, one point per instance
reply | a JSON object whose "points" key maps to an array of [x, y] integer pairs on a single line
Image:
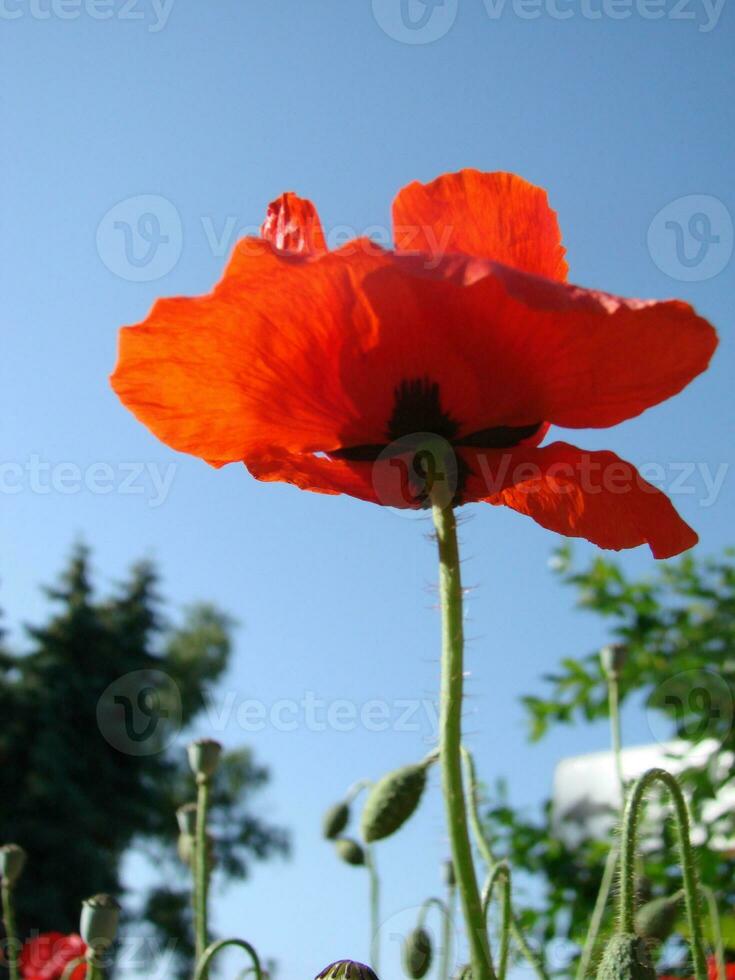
{"points": [[346, 970], [98, 925], [613, 658], [204, 756], [626, 957], [450, 878], [392, 800], [335, 820], [350, 851], [657, 918], [417, 953], [12, 862], [186, 817]]}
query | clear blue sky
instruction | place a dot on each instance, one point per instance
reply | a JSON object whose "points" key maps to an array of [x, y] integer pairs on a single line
{"points": [[218, 107]]}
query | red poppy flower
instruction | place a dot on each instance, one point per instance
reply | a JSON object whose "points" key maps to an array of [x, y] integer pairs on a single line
{"points": [[439, 364], [45, 957]]}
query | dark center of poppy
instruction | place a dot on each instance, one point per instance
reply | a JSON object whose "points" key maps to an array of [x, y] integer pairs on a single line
{"points": [[423, 437]]}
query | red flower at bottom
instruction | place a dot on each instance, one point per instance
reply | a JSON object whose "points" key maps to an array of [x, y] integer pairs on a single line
{"points": [[45, 957]]}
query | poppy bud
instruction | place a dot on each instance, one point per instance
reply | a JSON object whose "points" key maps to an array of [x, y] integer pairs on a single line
{"points": [[626, 957], [656, 919], [335, 820], [392, 800], [346, 970], [417, 953], [350, 851], [450, 879], [12, 862], [613, 658], [204, 756], [186, 817], [98, 926]]}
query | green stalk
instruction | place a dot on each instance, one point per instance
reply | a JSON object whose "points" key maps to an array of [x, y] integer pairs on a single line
{"points": [[489, 858], [94, 967], [11, 940], [608, 875], [210, 952], [501, 870], [374, 909], [201, 872], [450, 741], [446, 956], [613, 700], [629, 835], [603, 895]]}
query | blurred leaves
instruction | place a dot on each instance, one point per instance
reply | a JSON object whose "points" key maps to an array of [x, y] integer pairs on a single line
{"points": [[678, 627], [74, 794]]}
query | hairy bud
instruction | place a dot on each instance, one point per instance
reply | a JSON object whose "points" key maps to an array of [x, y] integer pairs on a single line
{"points": [[626, 957], [657, 918], [350, 851], [417, 953], [392, 800], [335, 820]]}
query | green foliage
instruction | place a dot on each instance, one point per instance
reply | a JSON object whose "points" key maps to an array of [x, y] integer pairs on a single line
{"points": [[678, 628], [72, 795]]}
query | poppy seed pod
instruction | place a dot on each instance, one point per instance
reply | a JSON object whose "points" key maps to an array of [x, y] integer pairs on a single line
{"points": [[656, 919], [98, 925], [346, 970], [350, 851], [613, 658], [12, 862], [204, 756], [392, 800], [417, 953], [186, 817], [185, 847], [335, 820], [626, 957]]}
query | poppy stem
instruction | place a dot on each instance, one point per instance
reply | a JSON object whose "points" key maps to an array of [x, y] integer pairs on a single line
{"points": [[450, 741], [11, 940], [374, 909], [201, 867], [629, 835]]}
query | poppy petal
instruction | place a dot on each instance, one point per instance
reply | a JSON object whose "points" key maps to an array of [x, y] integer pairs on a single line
{"points": [[592, 495], [255, 363], [292, 225], [547, 350], [496, 216], [316, 473]]}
